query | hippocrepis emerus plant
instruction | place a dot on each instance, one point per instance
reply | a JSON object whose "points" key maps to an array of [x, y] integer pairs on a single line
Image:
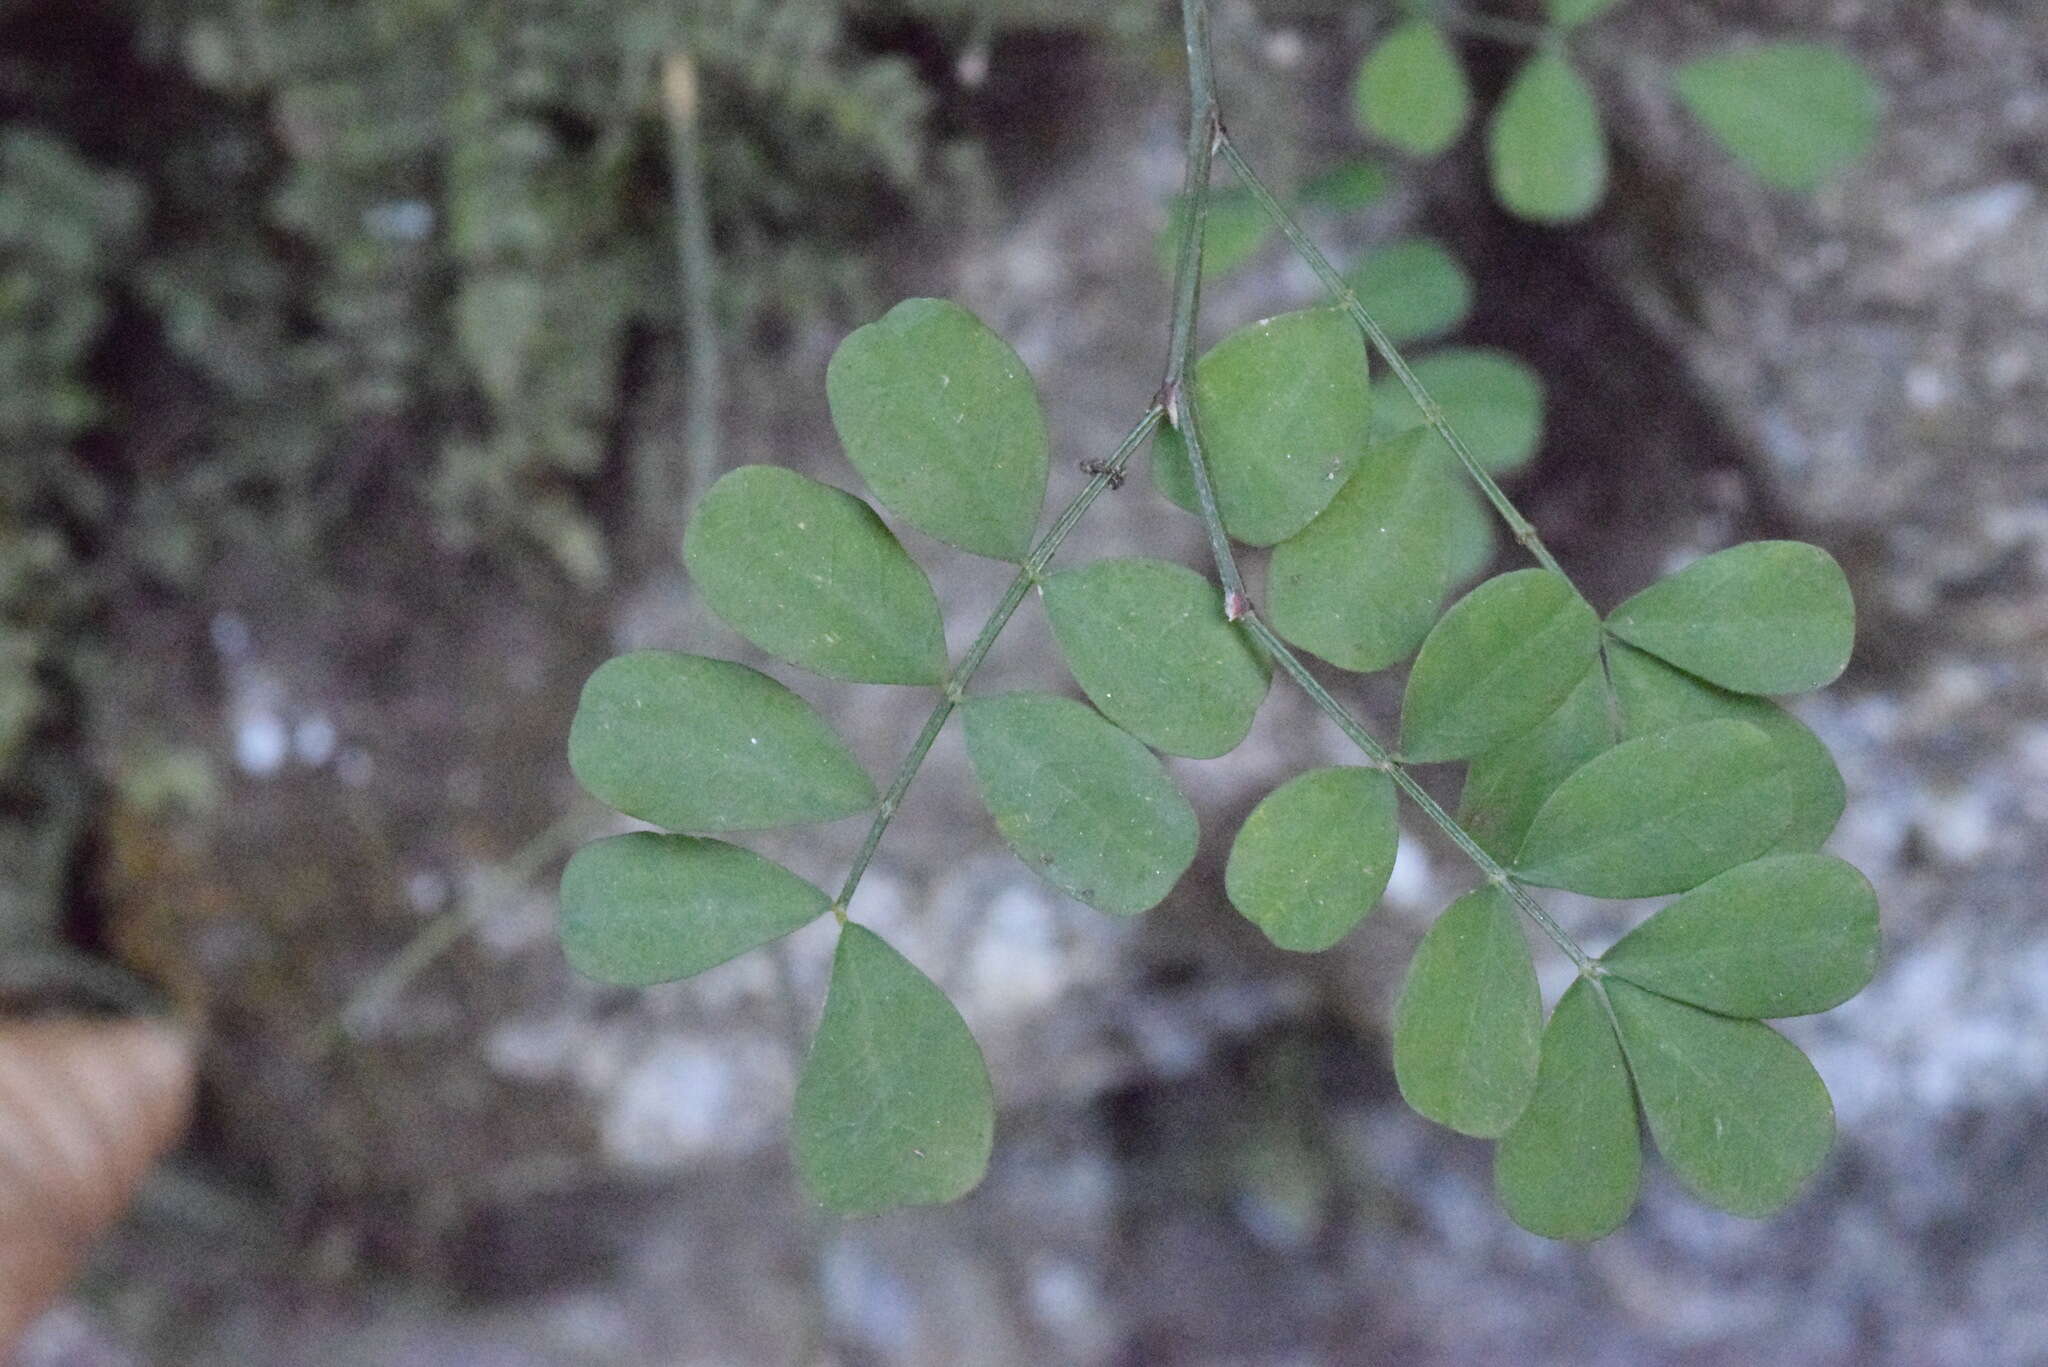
{"points": [[1635, 756]]}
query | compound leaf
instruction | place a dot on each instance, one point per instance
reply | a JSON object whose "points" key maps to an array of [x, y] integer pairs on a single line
{"points": [[1572, 13], [1503, 658], [1413, 289], [894, 1107], [1412, 90], [1571, 1165], [1492, 400], [1787, 935], [808, 573], [1235, 226], [942, 421], [1655, 697], [1313, 857], [1469, 1023], [1661, 814], [1361, 584], [1736, 1110], [1545, 147], [1762, 617], [642, 908], [1286, 413], [1792, 113], [1148, 643], [697, 744], [1505, 786], [1080, 801]]}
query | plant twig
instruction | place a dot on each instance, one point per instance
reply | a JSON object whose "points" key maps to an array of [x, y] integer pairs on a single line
{"points": [[1108, 474], [1176, 393], [704, 378]]}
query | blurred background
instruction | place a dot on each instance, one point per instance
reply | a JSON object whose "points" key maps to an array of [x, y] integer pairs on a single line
{"points": [[349, 396]]}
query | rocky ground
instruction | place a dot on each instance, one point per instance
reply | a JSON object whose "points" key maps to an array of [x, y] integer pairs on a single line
{"points": [[1202, 1157]]}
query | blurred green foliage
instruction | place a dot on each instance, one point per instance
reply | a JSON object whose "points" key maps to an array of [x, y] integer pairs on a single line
{"points": [[287, 277]]}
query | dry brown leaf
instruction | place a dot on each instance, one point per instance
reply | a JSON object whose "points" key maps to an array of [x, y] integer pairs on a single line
{"points": [[85, 1108]]}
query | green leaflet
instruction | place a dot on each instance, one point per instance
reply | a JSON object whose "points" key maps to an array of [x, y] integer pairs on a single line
{"points": [[1353, 185], [1783, 936], [643, 908], [1412, 90], [1505, 786], [1492, 400], [942, 421], [1655, 697], [1360, 585], [1235, 226], [1469, 1023], [1313, 857], [1736, 1109], [697, 744], [1502, 659], [1545, 147], [1792, 113], [1572, 13], [1661, 814], [1571, 1165], [1148, 643], [1762, 617], [894, 1107], [1471, 538], [809, 574], [1080, 801], [1413, 289], [1285, 414]]}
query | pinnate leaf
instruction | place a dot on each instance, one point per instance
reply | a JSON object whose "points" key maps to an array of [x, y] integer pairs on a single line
{"points": [[1286, 413], [1502, 659], [808, 573], [1787, 935], [1655, 697], [1413, 289], [1507, 785], [1079, 800], [894, 1107], [1793, 113], [1492, 400], [1312, 859], [1736, 1110], [1572, 1163], [1360, 585], [942, 421], [643, 908], [1469, 1023], [1545, 147], [1661, 814], [696, 744], [1762, 617], [1412, 90], [1148, 643]]}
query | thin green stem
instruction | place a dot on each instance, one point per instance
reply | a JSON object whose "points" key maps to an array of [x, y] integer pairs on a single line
{"points": [[1108, 475], [1370, 746], [1177, 392], [704, 376], [1347, 299]]}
